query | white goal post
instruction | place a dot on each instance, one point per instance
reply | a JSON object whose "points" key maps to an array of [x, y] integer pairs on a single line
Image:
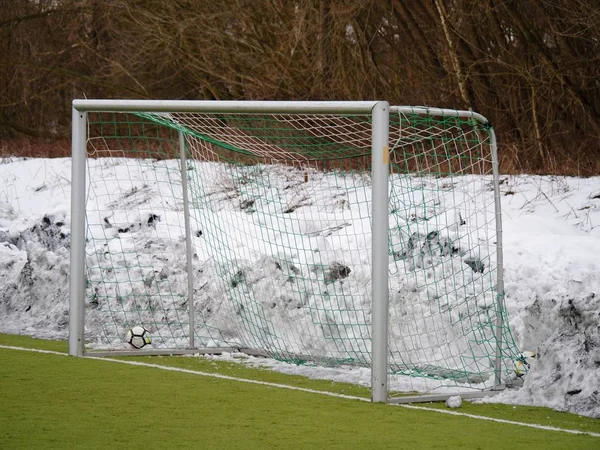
{"points": [[434, 236]]}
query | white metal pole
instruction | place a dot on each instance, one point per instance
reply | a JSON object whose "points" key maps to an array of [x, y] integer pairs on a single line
{"points": [[379, 230], [223, 106], [188, 238], [500, 307], [77, 280]]}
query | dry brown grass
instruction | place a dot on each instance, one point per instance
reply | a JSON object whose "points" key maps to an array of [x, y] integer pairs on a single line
{"points": [[513, 160], [35, 148]]}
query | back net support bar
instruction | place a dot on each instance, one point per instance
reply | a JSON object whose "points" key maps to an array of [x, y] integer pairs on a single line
{"points": [[321, 233]]}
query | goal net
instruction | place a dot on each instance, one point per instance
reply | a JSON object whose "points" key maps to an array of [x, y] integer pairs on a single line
{"points": [[252, 230]]}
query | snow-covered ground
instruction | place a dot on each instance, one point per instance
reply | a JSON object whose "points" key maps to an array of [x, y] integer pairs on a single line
{"points": [[551, 255]]}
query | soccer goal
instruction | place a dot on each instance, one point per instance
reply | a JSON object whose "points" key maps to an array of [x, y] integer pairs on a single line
{"points": [[338, 234]]}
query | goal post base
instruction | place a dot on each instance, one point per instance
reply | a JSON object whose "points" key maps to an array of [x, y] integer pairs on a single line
{"points": [[440, 397], [163, 352]]}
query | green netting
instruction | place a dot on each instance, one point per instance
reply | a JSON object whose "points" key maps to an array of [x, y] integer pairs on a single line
{"points": [[280, 210]]}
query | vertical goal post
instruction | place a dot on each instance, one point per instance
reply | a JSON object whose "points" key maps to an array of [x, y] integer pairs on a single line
{"points": [[388, 155]]}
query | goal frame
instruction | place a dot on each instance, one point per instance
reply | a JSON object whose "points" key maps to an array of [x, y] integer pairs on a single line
{"points": [[380, 113]]}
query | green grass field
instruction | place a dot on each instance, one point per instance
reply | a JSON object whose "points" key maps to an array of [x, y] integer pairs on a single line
{"points": [[54, 401]]}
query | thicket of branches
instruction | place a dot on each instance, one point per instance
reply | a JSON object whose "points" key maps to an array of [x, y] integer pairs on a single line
{"points": [[531, 66]]}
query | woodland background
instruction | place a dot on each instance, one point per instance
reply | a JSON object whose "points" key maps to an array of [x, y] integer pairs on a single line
{"points": [[531, 66]]}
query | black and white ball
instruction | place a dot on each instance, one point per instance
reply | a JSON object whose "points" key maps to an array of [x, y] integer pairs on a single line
{"points": [[523, 363], [138, 337]]}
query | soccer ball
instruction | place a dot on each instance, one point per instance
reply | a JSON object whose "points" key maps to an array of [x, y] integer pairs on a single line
{"points": [[138, 337], [523, 363]]}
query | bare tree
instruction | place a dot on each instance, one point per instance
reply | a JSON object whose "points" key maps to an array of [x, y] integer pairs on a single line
{"points": [[532, 67]]}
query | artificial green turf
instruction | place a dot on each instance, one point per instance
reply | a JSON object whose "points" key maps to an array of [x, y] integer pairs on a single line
{"points": [[210, 365], [29, 342], [44, 396], [52, 401], [528, 414]]}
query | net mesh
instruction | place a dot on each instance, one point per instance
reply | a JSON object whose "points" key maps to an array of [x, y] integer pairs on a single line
{"points": [[281, 238]]}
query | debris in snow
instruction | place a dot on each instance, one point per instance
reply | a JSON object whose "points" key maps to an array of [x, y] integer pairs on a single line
{"points": [[475, 264], [336, 271]]}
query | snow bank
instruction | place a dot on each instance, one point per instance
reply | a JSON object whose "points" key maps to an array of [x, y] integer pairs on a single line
{"points": [[552, 275]]}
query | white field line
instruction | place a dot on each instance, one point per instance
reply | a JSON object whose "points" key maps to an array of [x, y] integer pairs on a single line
{"points": [[312, 391]]}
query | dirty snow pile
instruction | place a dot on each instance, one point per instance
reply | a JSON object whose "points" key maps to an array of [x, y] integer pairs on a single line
{"points": [[551, 256]]}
